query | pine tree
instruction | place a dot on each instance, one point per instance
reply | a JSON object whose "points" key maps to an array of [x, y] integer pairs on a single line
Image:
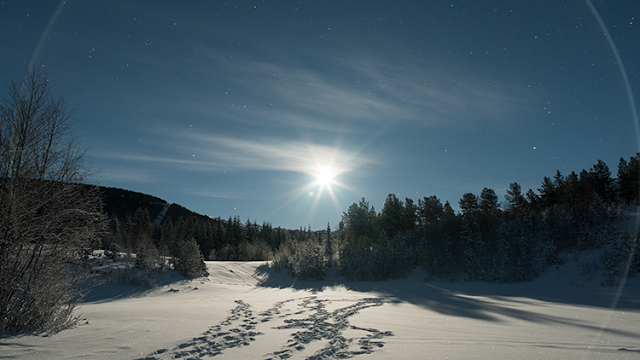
{"points": [[360, 222], [515, 199], [548, 195], [534, 200], [410, 215], [469, 203], [601, 180], [488, 202], [430, 210], [329, 250], [392, 216]]}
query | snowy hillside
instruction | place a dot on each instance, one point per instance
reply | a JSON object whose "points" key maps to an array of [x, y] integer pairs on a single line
{"points": [[245, 311]]}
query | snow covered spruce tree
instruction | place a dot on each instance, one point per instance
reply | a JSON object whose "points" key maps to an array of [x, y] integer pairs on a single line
{"points": [[48, 220], [188, 260]]}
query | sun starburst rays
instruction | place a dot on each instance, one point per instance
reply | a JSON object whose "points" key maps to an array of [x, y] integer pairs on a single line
{"points": [[324, 169]]}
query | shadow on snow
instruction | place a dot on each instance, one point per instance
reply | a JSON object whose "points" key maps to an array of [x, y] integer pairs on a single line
{"points": [[476, 300]]}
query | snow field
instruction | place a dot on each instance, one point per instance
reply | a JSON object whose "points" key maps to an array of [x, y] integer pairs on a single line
{"points": [[245, 311]]}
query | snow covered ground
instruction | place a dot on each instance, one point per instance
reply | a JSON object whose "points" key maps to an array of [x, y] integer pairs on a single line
{"points": [[245, 311]]}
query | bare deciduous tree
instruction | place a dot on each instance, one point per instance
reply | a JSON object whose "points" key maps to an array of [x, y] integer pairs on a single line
{"points": [[48, 219]]}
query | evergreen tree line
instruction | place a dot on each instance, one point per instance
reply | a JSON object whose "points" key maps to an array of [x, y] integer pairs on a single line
{"points": [[486, 240], [214, 239]]}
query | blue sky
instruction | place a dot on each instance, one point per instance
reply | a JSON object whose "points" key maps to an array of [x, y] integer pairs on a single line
{"points": [[234, 108]]}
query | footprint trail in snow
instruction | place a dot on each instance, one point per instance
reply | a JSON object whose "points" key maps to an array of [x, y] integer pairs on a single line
{"points": [[319, 329]]}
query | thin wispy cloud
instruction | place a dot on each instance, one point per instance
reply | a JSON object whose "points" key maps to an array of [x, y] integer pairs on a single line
{"points": [[210, 152], [343, 89], [376, 91], [273, 154], [169, 161]]}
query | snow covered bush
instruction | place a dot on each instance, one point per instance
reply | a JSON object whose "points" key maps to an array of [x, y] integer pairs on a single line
{"points": [[254, 251], [188, 260], [302, 259], [309, 261], [147, 257], [227, 252]]}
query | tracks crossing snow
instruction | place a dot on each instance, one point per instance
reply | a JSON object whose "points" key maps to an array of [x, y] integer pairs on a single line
{"points": [[329, 330]]}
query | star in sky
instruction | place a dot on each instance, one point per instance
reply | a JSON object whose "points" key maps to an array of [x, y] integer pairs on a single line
{"points": [[236, 108]]}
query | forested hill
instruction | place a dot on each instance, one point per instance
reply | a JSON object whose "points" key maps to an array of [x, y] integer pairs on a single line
{"points": [[121, 204], [136, 219]]}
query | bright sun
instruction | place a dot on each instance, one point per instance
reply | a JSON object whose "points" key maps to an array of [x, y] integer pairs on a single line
{"points": [[325, 176]]}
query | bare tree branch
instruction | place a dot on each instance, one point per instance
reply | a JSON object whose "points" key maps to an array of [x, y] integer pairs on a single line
{"points": [[47, 218]]}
